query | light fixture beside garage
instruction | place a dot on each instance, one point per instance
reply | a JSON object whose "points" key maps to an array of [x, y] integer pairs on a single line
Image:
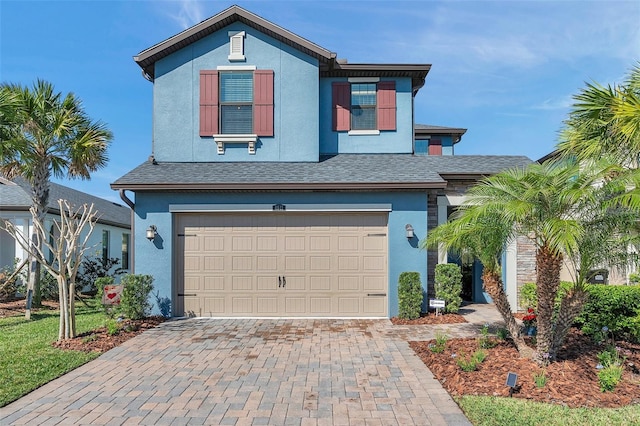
{"points": [[151, 232], [409, 231]]}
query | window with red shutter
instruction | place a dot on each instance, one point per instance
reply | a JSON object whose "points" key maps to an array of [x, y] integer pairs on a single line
{"points": [[364, 105], [208, 102]]}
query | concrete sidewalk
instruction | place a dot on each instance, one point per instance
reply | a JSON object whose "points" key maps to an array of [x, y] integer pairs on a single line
{"points": [[255, 372]]}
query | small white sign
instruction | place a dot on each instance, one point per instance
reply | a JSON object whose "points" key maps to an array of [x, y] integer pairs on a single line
{"points": [[436, 303]]}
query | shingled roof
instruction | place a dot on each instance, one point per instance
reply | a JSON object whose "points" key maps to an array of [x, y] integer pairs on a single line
{"points": [[339, 172], [15, 196]]}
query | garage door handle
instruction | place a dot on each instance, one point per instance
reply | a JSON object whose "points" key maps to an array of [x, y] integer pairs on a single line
{"points": [[284, 282], [279, 281], [377, 294]]}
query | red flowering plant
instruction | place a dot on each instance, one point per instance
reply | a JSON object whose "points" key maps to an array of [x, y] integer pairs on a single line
{"points": [[529, 320]]}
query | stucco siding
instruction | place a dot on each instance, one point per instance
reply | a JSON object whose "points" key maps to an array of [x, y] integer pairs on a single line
{"points": [[296, 100], [388, 141], [156, 258]]}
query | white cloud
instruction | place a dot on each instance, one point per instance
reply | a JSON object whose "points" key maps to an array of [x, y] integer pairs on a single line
{"points": [[189, 13], [555, 103]]}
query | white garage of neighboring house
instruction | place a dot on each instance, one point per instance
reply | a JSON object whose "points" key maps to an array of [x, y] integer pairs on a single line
{"points": [[111, 237]]}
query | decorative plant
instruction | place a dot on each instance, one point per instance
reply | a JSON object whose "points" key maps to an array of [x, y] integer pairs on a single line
{"points": [[469, 364], [441, 342], [485, 341], [530, 320], [134, 300], [448, 286], [409, 295], [540, 379]]}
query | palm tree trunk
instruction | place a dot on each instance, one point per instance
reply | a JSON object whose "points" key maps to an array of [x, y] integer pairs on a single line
{"points": [[493, 286], [40, 198], [570, 308], [548, 266]]}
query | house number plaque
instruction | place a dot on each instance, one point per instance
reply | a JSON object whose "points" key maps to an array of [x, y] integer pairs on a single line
{"points": [[279, 207]]}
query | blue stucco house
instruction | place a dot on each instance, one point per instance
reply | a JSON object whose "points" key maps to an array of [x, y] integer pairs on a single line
{"points": [[285, 182]]}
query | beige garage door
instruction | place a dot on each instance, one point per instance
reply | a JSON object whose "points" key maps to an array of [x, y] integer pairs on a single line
{"points": [[282, 264]]}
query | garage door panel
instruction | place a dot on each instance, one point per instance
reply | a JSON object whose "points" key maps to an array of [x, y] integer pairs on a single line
{"points": [[242, 283], [319, 283], [348, 283], [237, 264], [242, 305], [213, 263], [241, 263], [214, 283], [374, 263], [374, 283], [266, 263]]}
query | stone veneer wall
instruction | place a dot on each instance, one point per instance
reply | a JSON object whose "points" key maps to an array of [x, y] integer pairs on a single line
{"points": [[432, 254], [526, 268]]}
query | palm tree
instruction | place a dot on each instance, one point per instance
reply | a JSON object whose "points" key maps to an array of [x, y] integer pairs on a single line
{"points": [[482, 237], [605, 120], [47, 135], [559, 206]]}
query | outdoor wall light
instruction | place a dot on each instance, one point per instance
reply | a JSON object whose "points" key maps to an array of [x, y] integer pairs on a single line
{"points": [[151, 232], [409, 231]]}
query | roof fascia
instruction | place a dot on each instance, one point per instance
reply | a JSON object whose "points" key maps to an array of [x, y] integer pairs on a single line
{"points": [[417, 72], [278, 186]]}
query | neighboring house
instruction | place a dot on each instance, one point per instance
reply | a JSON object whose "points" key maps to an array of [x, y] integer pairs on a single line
{"points": [[286, 182], [605, 276], [111, 236]]}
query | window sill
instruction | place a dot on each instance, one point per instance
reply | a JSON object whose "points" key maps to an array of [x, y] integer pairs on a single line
{"points": [[363, 132], [220, 140]]}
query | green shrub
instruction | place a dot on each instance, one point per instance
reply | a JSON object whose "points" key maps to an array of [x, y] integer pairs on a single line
{"points": [[134, 301], [609, 377], [448, 285], [441, 343], [528, 296], [634, 278], [470, 364], [614, 307], [529, 299], [485, 341], [112, 327], [502, 333], [540, 379], [409, 295]]}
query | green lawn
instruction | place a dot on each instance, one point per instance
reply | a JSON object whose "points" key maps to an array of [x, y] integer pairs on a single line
{"points": [[490, 411], [27, 359]]}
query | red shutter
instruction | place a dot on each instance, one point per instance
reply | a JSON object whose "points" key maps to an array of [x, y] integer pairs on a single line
{"points": [[208, 102], [341, 93], [386, 99], [263, 102], [435, 147]]}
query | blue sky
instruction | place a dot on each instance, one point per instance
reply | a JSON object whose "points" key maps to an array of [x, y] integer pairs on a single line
{"points": [[505, 70]]}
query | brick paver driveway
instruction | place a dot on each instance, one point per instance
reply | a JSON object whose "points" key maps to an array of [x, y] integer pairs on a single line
{"points": [[248, 372]]}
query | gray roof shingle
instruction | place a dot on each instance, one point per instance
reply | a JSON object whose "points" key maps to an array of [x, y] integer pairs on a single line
{"points": [[344, 171], [16, 196]]}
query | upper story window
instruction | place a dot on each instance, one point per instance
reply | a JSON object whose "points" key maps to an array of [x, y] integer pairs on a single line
{"points": [[364, 105], [236, 102]]}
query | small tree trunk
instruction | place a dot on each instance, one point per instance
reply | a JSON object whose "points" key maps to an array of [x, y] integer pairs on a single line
{"points": [[72, 310], [548, 266], [493, 286], [570, 308], [63, 308]]}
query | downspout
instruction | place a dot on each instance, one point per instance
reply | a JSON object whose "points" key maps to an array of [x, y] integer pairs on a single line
{"points": [[132, 242]]}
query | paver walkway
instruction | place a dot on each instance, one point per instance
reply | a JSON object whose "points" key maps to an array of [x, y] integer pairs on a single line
{"points": [[253, 372]]}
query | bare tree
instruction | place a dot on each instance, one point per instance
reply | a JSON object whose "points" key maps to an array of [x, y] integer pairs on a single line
{"points": [[72, 233]]}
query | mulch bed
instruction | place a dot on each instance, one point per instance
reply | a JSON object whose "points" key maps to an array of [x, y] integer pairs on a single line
{"points": [[572, 380], [13, 307], [100, 341], [430, 319]]}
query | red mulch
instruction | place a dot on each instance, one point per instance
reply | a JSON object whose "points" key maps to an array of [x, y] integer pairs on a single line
{"points": [[430, 318], [96, 340], [100, 341], [572, 380]]}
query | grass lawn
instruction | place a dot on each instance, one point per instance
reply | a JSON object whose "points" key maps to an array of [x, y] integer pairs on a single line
{"points": [[27, 359], [487, 410]]}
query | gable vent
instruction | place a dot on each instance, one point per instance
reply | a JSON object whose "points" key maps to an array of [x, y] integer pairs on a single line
{"points": [[236, 46]]}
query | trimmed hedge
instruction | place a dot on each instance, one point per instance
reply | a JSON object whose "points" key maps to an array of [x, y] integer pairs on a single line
{"points": [[448, 286], [409, 295], [134, 301], [612, 306]]}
